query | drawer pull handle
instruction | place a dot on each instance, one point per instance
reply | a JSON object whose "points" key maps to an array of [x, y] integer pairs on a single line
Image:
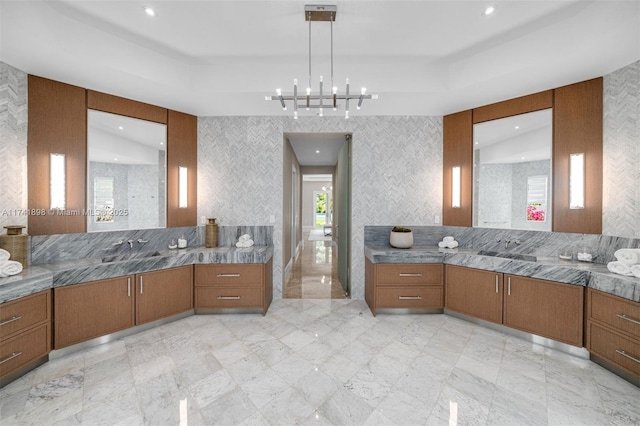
{"points": [[12, 356], [10, 320], [624, 317], [129, 287], [623, 353], [228, 297], [228, 275], [509, 286], [410, 297], [496, 283], [141, 285], [409, 275]]}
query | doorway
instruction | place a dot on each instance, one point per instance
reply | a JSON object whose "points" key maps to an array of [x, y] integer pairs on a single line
{"points": [[322, 193]]}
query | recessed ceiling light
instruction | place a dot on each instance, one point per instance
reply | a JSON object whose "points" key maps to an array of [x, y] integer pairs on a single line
{"points": [[317, 152], [477, 142], [120, 128], [517, 127], [489, 10], [149, 11], [161, 143]]}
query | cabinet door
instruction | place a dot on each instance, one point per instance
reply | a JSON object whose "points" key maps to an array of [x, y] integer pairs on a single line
{"points": [[85, 311], [545, 308], [474, 292], [163, 293]]}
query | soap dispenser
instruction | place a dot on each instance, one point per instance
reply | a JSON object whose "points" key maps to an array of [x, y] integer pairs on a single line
{"points": [[182, 242]]}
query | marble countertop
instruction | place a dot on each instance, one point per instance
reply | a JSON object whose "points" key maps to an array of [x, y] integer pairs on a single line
{"points": [[592, 275], [44, 276]]}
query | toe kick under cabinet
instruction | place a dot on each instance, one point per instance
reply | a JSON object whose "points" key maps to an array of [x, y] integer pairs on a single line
{"points": [[233, 287], [415, 287]]}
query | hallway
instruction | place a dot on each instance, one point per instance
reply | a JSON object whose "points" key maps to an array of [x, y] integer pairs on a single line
{"points": [[314, 272]]}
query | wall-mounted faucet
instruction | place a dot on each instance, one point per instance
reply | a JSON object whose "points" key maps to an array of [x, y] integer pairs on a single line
{"points": [[506, 243], [118, 243], [141, 241], [130, 243]]}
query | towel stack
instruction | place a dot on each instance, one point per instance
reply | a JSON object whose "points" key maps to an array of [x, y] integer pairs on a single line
{"points": [[448, 242], [628, 263], [244, 241], [8, 267]]}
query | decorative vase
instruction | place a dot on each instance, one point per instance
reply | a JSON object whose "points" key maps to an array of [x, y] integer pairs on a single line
{"points": [[16, 243], [211, 236], [401, 237]]}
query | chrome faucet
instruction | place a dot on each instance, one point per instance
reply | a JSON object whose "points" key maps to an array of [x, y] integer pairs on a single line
{"points": [[130, 243], [118, 243], [141, 241], [506, 243]]}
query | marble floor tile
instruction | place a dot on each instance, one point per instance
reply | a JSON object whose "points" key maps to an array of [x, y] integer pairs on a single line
{"points": [[319, 362]]}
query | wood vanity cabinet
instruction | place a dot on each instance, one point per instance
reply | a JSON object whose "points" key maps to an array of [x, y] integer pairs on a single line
{"points": [[163, 293], [474, 292], [546, 308], [416, 286], [94, 309], [25, 331], [235, 286], [613, 330]]}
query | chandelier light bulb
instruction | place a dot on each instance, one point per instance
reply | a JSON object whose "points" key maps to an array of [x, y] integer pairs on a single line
{"points": [[295, 115], [295, 81], [320, 79], [363, 90], [335, 90], [308, 91], [279, 92], [346, 115]]}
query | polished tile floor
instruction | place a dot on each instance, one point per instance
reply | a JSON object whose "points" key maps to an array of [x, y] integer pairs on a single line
{"points": [[319, 362], [314, 272]]}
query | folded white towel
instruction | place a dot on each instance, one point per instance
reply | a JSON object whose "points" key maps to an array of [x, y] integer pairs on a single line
{"points": [[10, 267], [244, 244], [448, 244], [619, 268], [635, 270], [245, 237], [4, 255], [448, 239], [628, 256]]}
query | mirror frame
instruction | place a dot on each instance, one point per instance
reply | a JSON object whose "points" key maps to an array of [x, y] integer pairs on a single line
{"points": [[577, 127], [57, 122]]}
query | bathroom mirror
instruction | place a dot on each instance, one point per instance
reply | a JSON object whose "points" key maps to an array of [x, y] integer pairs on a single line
{"points": [[512, 172], [126, 173]]}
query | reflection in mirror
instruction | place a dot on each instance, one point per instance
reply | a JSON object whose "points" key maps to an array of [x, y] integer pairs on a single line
{"points": [[126, 173], [512, 172]]}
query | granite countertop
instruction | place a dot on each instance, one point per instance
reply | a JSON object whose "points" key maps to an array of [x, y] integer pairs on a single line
{"points": [[592, 275], [43, 276]]}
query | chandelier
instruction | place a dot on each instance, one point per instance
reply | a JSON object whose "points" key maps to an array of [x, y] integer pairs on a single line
{"points": [[322, 99]]}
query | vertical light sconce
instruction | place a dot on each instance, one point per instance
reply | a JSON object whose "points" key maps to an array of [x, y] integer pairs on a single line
{"points": [[576, 181], [455, 187], [57, 181], [182, 187]]}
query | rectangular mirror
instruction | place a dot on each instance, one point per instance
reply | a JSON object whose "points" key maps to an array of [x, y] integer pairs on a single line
{"points": [[512, 172], [126, 173]]}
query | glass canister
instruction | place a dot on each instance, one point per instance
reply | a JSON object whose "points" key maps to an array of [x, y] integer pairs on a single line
{"points": [[211, 235], [16, 243]]}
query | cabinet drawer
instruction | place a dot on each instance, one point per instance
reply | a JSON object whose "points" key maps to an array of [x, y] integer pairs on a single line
{"points": [[409, 274], [21, 314], [228, 297], [24, 348], [409, 297], [614, 347], [224, 275], [616, 312]]}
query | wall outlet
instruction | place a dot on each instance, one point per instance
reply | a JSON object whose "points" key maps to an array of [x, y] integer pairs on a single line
{"points": [[436, 219], [272, 219], [203, 220]]}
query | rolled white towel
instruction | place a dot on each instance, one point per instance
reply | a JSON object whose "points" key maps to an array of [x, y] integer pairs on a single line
{"points": [[245, 237], [10, 267], [448, 239], [244, 244], [635, 270], [4, 255], [452, 244], [628, 256], [442, 244], [619, 268]]}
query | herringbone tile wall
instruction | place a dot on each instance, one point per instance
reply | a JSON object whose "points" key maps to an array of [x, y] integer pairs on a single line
{"points": [[621, 145], [13, 146], [396, 174]]}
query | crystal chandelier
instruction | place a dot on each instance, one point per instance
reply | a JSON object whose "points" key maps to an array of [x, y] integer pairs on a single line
{"points": [[322, 100]]}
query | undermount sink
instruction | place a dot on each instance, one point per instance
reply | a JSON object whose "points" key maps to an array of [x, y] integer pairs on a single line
{"points": [[130, 256], [515, 256]]}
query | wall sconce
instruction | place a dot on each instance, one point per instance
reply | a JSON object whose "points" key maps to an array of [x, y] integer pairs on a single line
{"points": [[576, 181], [455, 187], [182, 187], [57, 181]]}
